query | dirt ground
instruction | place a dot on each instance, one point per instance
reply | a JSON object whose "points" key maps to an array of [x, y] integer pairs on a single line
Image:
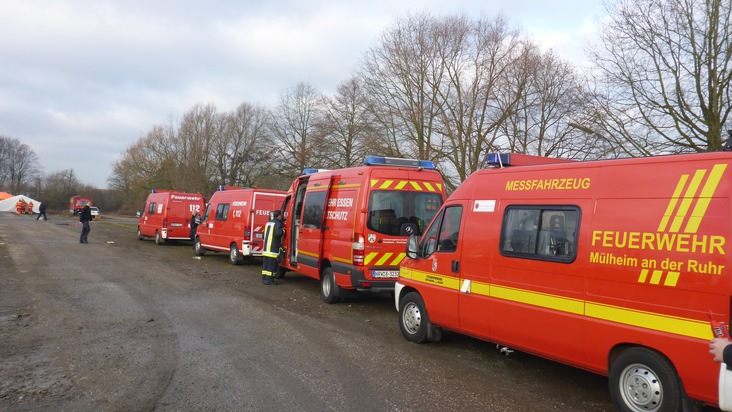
{"points": [[122, 324]]}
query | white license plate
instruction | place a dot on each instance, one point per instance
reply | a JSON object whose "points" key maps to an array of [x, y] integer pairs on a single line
{"points": [[176, 225], [384, 274]]}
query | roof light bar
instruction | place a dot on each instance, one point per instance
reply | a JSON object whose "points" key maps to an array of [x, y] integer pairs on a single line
{"points": [[394, 161], [498, 160], [311, 170]]}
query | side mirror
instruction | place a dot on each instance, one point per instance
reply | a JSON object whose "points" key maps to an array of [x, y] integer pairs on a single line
{"points": [[138, 214], [412, 246]]}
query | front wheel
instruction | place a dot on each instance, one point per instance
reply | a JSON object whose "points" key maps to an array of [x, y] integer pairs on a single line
{"points": [[235, 258], [413, 319], [642, 380], [197, 247], [328, 287]]}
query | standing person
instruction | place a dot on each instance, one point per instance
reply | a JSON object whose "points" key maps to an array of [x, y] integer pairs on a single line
{"points": [[85, 217], [42, 211], [195, 221], [273, 231]]}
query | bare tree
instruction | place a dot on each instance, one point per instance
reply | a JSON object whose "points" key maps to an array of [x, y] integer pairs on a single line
{"points": [[197, 130], [402, 75], [240, 152], [293, 127], [474, 100], [19, 165], [347, 123], [664, 71]]}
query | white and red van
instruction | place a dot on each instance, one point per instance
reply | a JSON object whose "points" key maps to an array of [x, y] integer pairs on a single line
{"points": [[348, 227], [234, 221], [167, 215], [611, 266]]}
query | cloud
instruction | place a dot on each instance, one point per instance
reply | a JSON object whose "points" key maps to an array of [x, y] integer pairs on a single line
{"points": [[81, 81]]}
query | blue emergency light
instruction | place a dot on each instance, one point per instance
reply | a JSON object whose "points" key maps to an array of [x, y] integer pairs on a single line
{"points": [[498, 160], [221, 187], [310, 170], [393, 161], [154, 191]]}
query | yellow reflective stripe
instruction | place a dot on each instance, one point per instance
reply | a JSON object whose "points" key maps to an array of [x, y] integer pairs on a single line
{"points": [[648, 320], [543, 300], [367, 259], [386, 184], [429, 186], [383, 259], [398, 259], [401, 184], [686, 202], [302, 252], [416, 186], [672, 203], [705, 197]]}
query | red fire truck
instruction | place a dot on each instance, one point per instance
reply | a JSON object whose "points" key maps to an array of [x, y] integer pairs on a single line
{"points": [[348, 227], [167, 215], [610, 266], [77, 203], [234, 221]]}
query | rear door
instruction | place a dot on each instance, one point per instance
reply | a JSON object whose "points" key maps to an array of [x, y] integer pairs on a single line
{"points": [[310, 214], [146, 222]]}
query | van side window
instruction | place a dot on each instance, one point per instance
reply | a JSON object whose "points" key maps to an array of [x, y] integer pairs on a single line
{"points": [[444, 233], [222, 211], [313, 213], [540, 232], [151, 209]]}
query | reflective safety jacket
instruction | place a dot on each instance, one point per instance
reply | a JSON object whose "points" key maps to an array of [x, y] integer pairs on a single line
{"points": [[272, 238]]}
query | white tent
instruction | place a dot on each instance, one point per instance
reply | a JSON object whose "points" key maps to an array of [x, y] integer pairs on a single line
{"points": [[9, 204]]}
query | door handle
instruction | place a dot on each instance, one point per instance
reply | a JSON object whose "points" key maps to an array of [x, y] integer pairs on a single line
{"points": [[456, 266]]}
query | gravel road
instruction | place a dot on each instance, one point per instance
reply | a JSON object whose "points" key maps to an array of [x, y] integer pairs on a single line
{"points": [[122, 324]]}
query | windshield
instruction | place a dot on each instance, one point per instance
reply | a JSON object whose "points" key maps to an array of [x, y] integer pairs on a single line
{"points": [[400, 213]]}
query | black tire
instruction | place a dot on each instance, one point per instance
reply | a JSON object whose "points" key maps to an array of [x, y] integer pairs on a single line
{"points": [[329, 290], [642, 380], [158, 239], [235, 257], [414, 322], [139, 235], [280, 272], [197, 247]]}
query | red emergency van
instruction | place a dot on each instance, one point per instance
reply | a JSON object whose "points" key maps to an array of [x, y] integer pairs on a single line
{"points": [[348, 227], [609, 266], [167, 215], [234, 221]]}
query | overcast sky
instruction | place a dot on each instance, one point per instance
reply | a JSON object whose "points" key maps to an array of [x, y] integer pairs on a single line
{"points": [[81, 81]]}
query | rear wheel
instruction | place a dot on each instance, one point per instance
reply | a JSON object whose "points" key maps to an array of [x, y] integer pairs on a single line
{"points": [[158, 239], [329, 290], [139, 235], [413, 319], [197, 247], [235, 258], [643, 380]]}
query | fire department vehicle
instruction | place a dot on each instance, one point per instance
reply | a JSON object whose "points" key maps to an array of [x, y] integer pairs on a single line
{"points": [[609, 266], [77, 203], [234, 221], [167, 215], [348, 227]]}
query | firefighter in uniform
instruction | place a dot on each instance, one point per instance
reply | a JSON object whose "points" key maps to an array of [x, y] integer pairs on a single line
{"points": [[273, 231]]}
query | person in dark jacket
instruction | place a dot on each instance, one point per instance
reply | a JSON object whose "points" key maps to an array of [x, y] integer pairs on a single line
{"points": [[273, 231], [42, 212], [85, 217], [195, 221]]}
